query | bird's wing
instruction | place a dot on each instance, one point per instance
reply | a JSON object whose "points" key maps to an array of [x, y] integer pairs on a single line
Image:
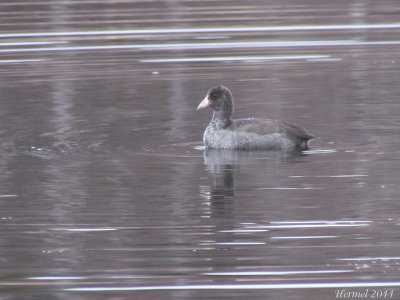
{"points": [[257, 126], [267, 126]]}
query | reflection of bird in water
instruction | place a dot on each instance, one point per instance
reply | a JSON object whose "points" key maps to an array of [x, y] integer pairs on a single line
{"points": [[222, 174], [222, 189], [222, 165], [251, 133]]}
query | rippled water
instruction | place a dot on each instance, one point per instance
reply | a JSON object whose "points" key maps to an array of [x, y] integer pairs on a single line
{"points": [[107, 192]]}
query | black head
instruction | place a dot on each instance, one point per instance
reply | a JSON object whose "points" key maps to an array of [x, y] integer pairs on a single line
{"points": [[220, 99]]}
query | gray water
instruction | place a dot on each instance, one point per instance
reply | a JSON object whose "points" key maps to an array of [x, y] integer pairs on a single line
{"points": [[107, 193]]}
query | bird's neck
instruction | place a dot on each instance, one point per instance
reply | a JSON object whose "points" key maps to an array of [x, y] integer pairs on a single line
{"points": [[221, 119]]}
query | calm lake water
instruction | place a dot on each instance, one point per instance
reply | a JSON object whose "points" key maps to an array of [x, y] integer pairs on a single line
{"points": [[106, 192]]}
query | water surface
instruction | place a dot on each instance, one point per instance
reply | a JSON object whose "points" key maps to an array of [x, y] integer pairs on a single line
{"points": [[106, 191]]}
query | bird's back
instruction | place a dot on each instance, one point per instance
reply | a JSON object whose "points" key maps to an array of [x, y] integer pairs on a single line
{"points": [[265, 127]]}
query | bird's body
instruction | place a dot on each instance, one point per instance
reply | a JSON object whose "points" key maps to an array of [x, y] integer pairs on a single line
{"points": [[250, 133]]}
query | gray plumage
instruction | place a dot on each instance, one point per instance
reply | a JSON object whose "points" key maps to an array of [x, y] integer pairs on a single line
{"points": [[248, 134]]}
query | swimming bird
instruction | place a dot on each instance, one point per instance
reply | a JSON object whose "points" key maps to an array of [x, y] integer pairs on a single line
{"points": [[247, 134]]}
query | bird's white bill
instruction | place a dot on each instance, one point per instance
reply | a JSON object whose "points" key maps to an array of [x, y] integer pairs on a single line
{"points": [[204, 103]]}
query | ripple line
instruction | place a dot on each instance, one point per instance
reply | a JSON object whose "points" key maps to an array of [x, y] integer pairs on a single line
{"points": [[240, 286]]}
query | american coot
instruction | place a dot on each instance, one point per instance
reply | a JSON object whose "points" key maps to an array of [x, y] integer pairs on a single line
{"points": [[248, 134]]}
